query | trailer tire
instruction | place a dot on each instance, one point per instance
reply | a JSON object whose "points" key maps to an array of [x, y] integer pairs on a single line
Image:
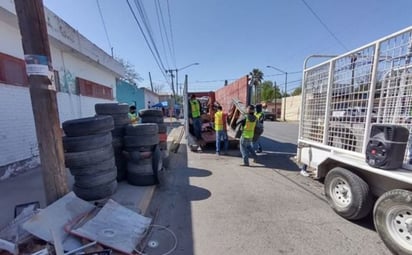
{"points": [[392, 216], [348, 194]]}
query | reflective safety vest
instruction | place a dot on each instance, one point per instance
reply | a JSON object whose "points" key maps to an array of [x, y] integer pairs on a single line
{"points": [[259, 116], [219, 121], [133, 117], [249, 129], [195, 106]]}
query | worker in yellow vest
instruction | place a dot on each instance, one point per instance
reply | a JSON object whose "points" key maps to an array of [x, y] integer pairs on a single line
{"points": [[259, 128], [133, 115], [221, 131], [248, 124], [195, 111]]}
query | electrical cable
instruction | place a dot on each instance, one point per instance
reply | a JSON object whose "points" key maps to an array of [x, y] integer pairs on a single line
{"points": [[165, 29], [104, 26], [161, 31], [324, 25], [171, 33], [173, 235], [158, 62]]}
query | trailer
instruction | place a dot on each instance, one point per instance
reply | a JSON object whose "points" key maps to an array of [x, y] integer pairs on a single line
{"points": [[363, 155]]}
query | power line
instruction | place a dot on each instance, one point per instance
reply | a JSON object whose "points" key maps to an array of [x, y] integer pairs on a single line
{"points": [[324, 25], [158, 61], [165, 29], [104, 26], [161, 31], [171, 33]]}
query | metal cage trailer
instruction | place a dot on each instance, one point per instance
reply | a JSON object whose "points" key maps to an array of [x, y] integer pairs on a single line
{"points": [[354, 133]]}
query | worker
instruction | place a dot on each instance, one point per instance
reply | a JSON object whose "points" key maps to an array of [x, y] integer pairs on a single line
{"points": [[195, 110], [248, 124], [133, 115], [221, 131], [259, 128]]}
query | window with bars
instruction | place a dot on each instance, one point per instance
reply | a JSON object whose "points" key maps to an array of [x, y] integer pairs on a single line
{"points": [[93, 89]]}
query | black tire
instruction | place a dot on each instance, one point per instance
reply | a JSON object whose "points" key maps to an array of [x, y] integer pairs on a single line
{"points": [[139, 148], [88, 126], [348, 194], [97, 192], [87, 158], [89, 181], [120, 119], [117, 145], [162, 128], [144, 167], [166, 159], [137, 156], [152, 119], [94, 169], [121, 165], [118, 132], [392, 215], [86, 143], [157, 160], [163, 146], [141, 129], [111, 108], [139, 141], [150, 113]]}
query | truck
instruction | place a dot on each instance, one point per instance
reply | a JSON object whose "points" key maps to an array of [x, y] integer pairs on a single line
{"points": [[354, 134], [233, 98]]}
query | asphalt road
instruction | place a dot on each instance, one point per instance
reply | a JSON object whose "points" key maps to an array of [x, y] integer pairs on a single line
{"points": [[214, 206]]}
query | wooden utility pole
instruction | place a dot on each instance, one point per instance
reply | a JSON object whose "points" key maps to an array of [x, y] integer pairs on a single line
{"points": [[151, 83], [36, 49]]}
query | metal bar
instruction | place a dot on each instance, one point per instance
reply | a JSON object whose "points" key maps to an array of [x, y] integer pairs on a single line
{"points": [[328, 103]]}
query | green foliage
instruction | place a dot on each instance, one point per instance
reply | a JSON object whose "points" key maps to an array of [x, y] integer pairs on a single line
{"points": [[297, 91], [269, 91], [257, 76]]}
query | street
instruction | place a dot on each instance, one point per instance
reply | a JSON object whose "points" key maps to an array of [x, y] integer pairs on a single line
{"points": [[215, 206]]}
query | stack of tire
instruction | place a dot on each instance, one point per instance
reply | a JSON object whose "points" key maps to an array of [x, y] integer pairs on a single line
{"points": [[156, 116], [89, 156], [119, 114], [144, 158]]}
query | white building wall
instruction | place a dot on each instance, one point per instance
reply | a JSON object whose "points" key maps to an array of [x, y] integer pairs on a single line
{"points": [[150, 96], [17, 129]]}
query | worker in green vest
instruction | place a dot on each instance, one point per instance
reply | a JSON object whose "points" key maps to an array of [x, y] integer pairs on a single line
{"points": [[248, 124], [195, 110], [220, 129], [133, 115], [259, 128]]}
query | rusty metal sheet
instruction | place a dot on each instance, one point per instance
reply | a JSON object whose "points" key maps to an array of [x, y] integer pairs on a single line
{"points": [[116, 227], [54, 217]]}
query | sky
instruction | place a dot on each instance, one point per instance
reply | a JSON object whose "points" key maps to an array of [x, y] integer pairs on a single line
{"points": [[229, 38]]}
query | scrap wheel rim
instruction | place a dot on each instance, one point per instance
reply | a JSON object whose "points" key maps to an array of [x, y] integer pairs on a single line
{"points": [[399, 225], [340, 192]]}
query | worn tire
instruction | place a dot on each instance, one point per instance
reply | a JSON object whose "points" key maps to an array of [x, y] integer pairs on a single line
{"points": [[391, 215], [140, 148], [118, 132], [97, 192], [117, 144], [89, 181], [88, 126], [150, 113], [162, 128], [111, 108], [141, 141], [85, 143], [137, 156], [94, 169], [157, 160], [144, 167], [120, 119], [141, 129], [152, 119], [348, 194], [87, 158]]}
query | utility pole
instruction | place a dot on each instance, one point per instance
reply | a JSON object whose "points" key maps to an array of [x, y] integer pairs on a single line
{"points": [[276, 112], [36, 49], [171, 78], [151, 83]]}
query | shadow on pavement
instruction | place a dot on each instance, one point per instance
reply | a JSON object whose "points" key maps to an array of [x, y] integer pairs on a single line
{"points": [[171, 206]]}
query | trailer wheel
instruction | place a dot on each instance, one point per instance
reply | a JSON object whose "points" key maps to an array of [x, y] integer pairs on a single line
{"points": [[347, 194], [392, 216]]}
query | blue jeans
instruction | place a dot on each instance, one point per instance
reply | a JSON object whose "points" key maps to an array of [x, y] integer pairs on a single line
{"points": [[246, 147], [221, 135], [197, 128]]}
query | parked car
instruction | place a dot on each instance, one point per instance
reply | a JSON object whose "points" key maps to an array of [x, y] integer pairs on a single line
{"points": [[269, 116]]}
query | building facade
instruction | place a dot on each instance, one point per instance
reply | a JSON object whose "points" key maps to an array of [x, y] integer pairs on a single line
{"points": [[83, 73]]}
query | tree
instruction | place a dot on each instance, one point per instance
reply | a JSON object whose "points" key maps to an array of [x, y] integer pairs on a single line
{"points": [[269, 91], [297, 91], [157, 88], [131, 76], [257, 77]]}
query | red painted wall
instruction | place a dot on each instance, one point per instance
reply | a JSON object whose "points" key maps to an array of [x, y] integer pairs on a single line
{"points": [[235, 90]]}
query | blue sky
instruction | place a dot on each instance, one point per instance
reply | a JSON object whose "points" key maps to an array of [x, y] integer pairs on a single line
{"points": [[231, 37]]}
